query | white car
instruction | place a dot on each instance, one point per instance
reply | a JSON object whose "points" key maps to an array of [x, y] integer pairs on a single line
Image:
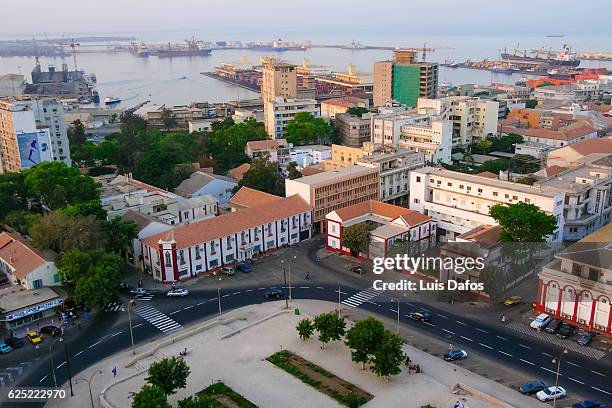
{"points": [[177, 292], [139, 291], [540, 322], [551, 393]]}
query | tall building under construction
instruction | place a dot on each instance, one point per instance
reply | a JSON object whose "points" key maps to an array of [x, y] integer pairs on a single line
{"points": [[404, 80]]}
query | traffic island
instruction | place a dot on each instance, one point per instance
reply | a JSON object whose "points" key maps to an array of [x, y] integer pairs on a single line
{"points": [[224, 397], [328, 383]]}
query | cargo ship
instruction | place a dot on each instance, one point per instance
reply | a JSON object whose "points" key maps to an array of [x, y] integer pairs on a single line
{"points": [[193, 49], [565, 58], [278, 46]]}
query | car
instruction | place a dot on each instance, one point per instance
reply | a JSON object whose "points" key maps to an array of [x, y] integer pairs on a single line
{"points": [[5, 348], [453, 355], [273, 294], [532, 387], [512, 300], [589, 404], [540, 321], [566, 330], [228, 271], [178, 292], [553, 326], [139, 291], [357, 269], [14, 342], [422, 315], [124, 285], [34, 337], [242, 267], [51, 330], [586, 338], [551, 393]]}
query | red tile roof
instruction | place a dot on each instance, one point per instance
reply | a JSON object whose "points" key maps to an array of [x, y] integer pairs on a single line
{"points": [[487, 174], [486, 236], [371, 207], [237, 173], [247, 197], [413, 218], [591, 146], [570, 132], [21, 256], [553, 170], [217, 227], [310, 170]]}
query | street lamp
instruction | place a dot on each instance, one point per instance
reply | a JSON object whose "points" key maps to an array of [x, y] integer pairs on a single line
{"points": [[68, 368], [53, 360], [88, 381], [285, 278], [398, 313], [131, 304], [558, 361], [294, 258]]}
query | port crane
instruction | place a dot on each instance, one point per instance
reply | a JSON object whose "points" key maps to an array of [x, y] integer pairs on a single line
{"points": [[424, 50], [73, 46]]}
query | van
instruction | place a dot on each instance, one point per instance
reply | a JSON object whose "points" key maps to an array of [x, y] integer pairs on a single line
{"points": [[540, 322]]}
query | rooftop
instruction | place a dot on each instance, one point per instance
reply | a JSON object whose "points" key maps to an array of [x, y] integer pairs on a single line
{"points": [[21, 256], [570, 180], [268, 144], [247, 197], [594, 250], [141, 220], [198, 180], [335, 176], [15, 297], [237, 173]]}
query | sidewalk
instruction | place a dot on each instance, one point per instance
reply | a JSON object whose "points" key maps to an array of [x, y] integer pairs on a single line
{"points": [[226, 350]]}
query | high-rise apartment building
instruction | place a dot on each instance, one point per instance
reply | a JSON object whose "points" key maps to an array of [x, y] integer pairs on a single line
{"points": [[279, 79], [31, 131], [404, 80]]}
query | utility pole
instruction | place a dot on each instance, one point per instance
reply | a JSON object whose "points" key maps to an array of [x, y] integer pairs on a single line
{"points": [[558, 361], [339, 299], [398, 316], [53, 361], [219, 298], [286, 297], [130, 305], [68, 368]]}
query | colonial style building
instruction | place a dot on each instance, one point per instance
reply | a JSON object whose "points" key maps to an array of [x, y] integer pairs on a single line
{"points": [[577, 285], [190, 250], [389, 223]]}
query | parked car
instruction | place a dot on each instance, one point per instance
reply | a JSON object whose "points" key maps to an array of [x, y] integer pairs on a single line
{"points": [[512, 300], [566, 330], [586, 338], [5, 348], [242, 267], [51, 330], [532, 387], [273, 294], [34, 337], [357, 269], [14, 342], [589, 404], [228, 271], [422, 315], [551, 393], [553, 326], [178, 292], [540, 321], [453, 355], [139, 291], [124, 285]]}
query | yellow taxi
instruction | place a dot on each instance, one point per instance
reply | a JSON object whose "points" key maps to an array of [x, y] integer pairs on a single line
{"points": [[34, 337], [513, 300]]}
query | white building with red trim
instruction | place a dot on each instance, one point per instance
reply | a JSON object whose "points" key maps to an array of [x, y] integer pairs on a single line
{"points": [[262, 223], [577, 285], [389, 222]]}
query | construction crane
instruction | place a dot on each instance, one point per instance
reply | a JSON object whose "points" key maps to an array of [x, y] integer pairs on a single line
{"points": [[73, 46], [424, 50]]}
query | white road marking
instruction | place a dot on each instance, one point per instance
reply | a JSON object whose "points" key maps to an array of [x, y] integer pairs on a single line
{"points": [[342, 293], [95, 344], [485, 345], [171, 313], [429, 324], [525, 361], [200, 304], [466, 338], [574, 364], [598, 373], [187, 307], [503, 352], [304, 287], [212, 300], [461, 323], [320, 287], [138, 325], [599, 389], [442, 316], [393, 310], [482, 331], [236, 293], [79, 353], [524, 346], [549, 370], [503, 338], [59, 366], [448, 331], [249, 290], [573, 379], [225, 296], [261, 288], [43, 379], [115, 334], [547, 355]]}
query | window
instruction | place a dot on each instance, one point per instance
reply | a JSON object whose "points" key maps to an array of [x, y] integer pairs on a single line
{"points": [[197, 252], [213, 246], [469, 188], [168, 259], [515, 197], [460, 186], [213, 263], [186, 215], [480, 190], [416, 201], [37, 283], [495, 194], [269, 229], [56, 278], [228, 242], [449, 184], [182, 257], [282, 226], [418, 179], [229, 258]]}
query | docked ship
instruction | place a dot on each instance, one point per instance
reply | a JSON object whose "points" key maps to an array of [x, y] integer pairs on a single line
{"points": [[565, 58], [193, 49], [278, 46], [111, 100]]}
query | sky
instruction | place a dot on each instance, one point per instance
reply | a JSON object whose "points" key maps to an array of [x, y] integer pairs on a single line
{"points": [[445, 17]]}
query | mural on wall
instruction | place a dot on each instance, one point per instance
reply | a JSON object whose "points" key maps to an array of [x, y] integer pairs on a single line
{"points": [[34, 148]]}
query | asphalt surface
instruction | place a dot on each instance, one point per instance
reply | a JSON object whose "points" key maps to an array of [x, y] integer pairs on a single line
{"points": [[108, 333]]}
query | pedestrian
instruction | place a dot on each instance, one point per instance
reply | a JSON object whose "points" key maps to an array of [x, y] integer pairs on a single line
{"points": [[114, 370], [140, 283]]}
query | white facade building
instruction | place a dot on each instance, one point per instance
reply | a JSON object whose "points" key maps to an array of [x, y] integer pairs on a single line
{"points": [[26, 266], [386, 127], [460, 202], [433, 140], [306, 156], [282, 111]]}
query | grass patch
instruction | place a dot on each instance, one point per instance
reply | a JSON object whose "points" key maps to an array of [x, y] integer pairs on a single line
{"points": [[328, 383], [218, 392]]}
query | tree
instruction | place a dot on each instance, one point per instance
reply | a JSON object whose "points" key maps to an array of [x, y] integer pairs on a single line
{"points": [[494, 166], [150, 396], [524, 164], [76, 134], [168, 119], [357, 111], [169, 374], [389, 356], [485, 145], [61, 232], [120, 233], [228, 140], [529, 180], [56, 185], [98, 286], [305, 129], [331, 326], [93, 208], [522, 222], [356, 237], [263, 176], [506, 143], [198, 401], [531, 104], [21, 221], [74, 264], [364, 339], [294, 173], [12, 193], [305, 328]]}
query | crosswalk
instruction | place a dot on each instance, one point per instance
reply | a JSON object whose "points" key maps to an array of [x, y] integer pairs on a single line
{"points": [[569, 344], [112, 306], [157, 318], [361, 297], [143, 298]]}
